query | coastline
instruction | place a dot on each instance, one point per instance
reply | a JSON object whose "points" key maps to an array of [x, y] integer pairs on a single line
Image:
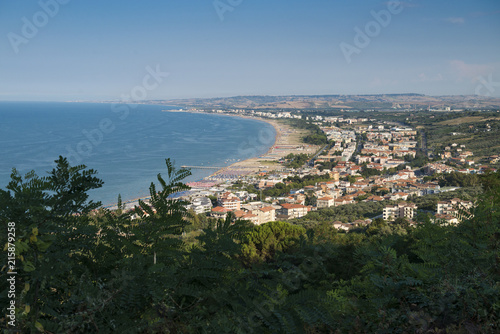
{"points": [[287, 140], [247, 162], [244, 164], [273, 123]]}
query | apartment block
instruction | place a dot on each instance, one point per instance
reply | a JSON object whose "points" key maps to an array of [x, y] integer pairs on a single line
{"points": [[400, 210]]}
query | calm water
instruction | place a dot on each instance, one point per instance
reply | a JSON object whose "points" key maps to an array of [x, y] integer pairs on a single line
{"points": [[127, 145]]}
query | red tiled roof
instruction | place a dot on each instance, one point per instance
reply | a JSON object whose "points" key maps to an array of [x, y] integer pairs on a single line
{"points": [[292, 206], [220, 209], [239, 213]]}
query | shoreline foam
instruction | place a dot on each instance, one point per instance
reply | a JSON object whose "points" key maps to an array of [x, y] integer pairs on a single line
{"points": [[270, 149]]}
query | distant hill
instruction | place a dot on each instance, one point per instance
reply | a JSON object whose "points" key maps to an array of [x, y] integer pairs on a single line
{"points": [[382, 101]]}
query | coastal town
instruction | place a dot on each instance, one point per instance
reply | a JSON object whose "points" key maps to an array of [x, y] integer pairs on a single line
{"points": [[250, 167], [364, 160]]}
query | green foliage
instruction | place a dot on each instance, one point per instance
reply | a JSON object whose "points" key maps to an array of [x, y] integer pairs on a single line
{"points": [[165, 216], [469, 128], [294, 182], [315, 137], [197, 221], [119, 204], [429, 202], [456, 179], [296, 160], [326, 165], [420, 160], [265, 240], [344, 213], [88, 271], [367, 172], [47, 211]]}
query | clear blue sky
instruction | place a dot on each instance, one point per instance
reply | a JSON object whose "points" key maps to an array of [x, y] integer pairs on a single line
{"points": [[93, 50]]}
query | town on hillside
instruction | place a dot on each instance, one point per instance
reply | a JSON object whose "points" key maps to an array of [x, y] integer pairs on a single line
{"points": [[361, 160]]}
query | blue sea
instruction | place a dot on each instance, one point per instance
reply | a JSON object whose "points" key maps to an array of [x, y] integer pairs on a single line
{"points": [[126, 144]]}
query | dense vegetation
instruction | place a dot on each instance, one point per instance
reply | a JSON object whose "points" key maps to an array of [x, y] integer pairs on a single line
{"points": [[350, 212], [315, 136], [294, 182], [82, 271], [479, 131], [296, 160]]}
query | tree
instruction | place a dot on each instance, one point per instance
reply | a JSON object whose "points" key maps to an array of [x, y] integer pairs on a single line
{"points": [[352, 179], [165, 216], [311, 200], [70, 185], [265, 240], [119, 205], [94, 272], [51, 224], [401, 221]]}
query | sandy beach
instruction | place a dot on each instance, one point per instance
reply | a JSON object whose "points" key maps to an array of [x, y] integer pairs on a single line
{"points": [[287, 140]]}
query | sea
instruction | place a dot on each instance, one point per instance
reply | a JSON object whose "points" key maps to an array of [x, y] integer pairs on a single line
{"points": [[126, 143]]}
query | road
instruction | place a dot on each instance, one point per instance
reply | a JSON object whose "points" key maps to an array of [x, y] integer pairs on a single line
{"points": [[311, 162], [423, 143]]}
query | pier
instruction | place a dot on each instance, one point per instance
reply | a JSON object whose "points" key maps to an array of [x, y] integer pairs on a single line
{"points": [[225, 167], [203, 167]]}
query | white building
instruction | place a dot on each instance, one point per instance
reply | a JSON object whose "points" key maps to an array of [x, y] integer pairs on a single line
{"points": [[401, 210], [325, 202]]}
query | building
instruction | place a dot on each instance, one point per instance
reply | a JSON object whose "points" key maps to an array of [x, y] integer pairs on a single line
{"points": [[229, 201], [341, 226], [220, 212], [400, 210], [447, 219], [200, 205], [325, 202], [251, 217], [344, 200], [291, 211], [455, 208], [398, 195], [265, 214], [362, 222], [238, 214]]}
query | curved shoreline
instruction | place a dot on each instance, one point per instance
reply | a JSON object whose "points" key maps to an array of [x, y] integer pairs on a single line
{"points": [[234, 166], [248, 160], [242, 163], [286, 140]]}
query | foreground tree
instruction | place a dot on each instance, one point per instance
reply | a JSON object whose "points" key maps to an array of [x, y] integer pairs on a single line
{"points": [[95, 271], [51, 226]]}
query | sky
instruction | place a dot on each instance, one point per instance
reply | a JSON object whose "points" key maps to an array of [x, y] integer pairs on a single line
{"points": [[81, 50]]}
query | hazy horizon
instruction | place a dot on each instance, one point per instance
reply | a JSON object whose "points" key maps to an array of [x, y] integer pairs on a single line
{"points": [[63, 50], [225, 97]]}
